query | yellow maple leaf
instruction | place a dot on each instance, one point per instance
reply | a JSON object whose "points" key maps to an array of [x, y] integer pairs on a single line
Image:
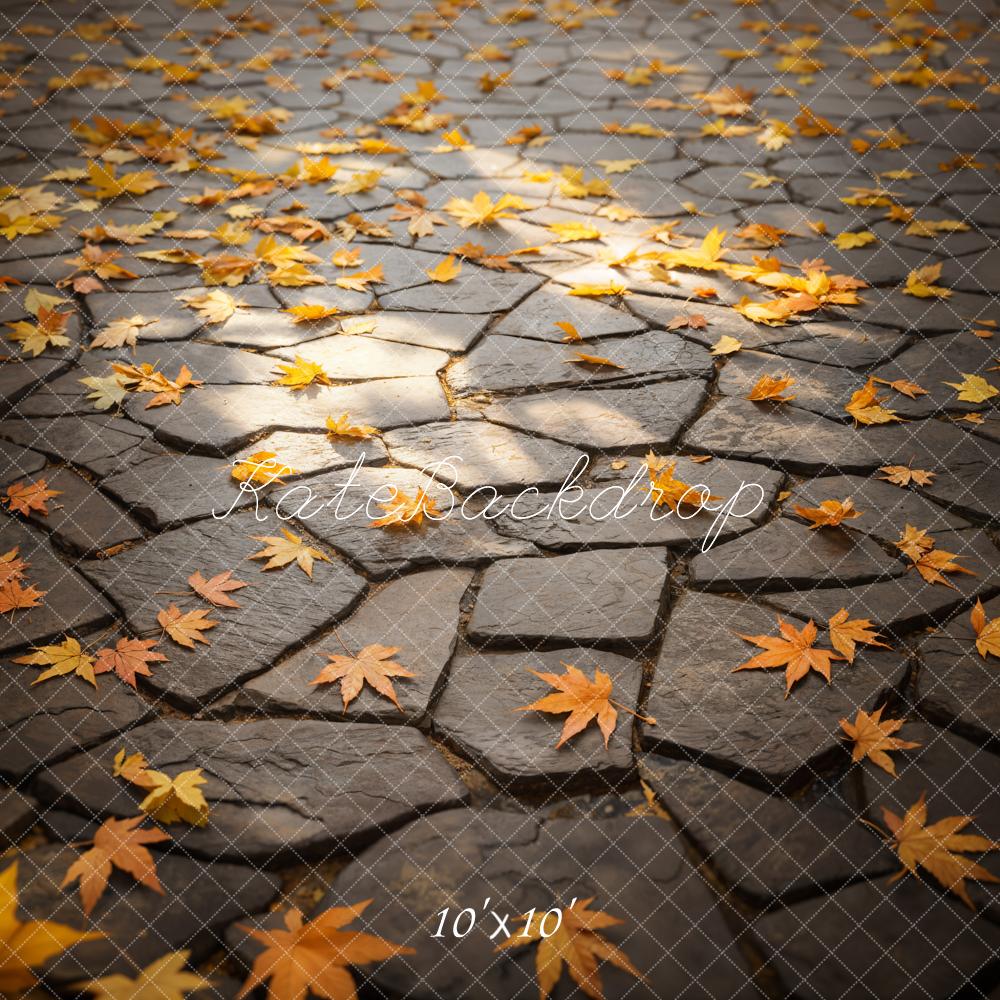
{"points": [[445, 270], [974, 389], [66, 657], [300, 374], [481, 210], [850, 241]]}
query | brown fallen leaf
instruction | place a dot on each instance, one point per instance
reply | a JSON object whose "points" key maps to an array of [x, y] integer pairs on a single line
{"points": [[845, 632], [873, 738], [24, 497], [129, 659], [793, 650], [281, 551], [313, 957], [584, 700], [372, 665], [903, 387], [829, 513], [902, 475], [118, 843], [15, 596], [186, 627], [575, 945], [217, 589], [987, 632], [938, 848]]}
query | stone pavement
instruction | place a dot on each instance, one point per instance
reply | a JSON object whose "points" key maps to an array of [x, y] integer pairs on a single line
{"points": [[239, 163]]}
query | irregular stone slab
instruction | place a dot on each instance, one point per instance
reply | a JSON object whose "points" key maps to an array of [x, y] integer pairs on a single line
{"points": [[650, 416], [479, 716], [786, 555], [475, 290], [891, 308], [885, 509], [93, 442], [62, 716], [970, 480], [166, 922], [535, 318], [957, 778], [764, 846], [264, 329], [609, 596], [858, 943], [165, 490], [957, 687], [20, 463], [848, 344], [280, 609], [346, 358], [508, 857], [278, 789], [932, 364], [481, 454], [741, 722], [418, 613], [69, 602], [502, 364], [219, 420], [820, 389], [800, 442], [604, 515], [82, 519], [906, 602], [454, 332], [449, 540], [18, 813]]}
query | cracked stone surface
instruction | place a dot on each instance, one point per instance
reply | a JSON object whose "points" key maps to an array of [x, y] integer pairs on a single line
{"points": [[280, 789], [582, 597], [739, 721], [519, 863], [486, 690], [171, 921], [764, 846], [292, 607], [420, 604]]}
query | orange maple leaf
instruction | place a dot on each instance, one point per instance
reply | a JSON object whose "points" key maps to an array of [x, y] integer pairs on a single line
{"points": [[404, 511], [829, 513], [25, 497], [130, 658], [216, 590], [938, 848], [186, 627], [873, 738], [575, 945], [372, 665], [118, 843], [771, 387], [793, 650], [845, 632], [313, 957]]}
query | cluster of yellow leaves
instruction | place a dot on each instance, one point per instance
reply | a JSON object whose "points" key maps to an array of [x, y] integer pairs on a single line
{"points": [[866, 407], [49, 330], [921, 283], [111, 390], [168, 800]]}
